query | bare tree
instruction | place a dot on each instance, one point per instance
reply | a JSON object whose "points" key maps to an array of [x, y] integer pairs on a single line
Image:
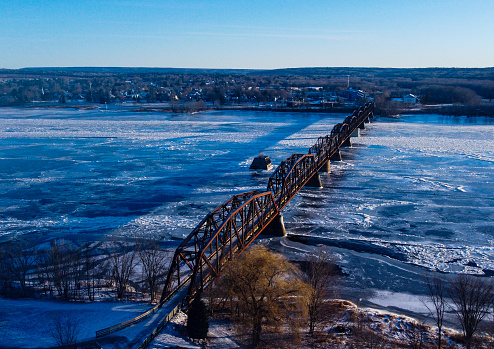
{"points": [[267, 290], [65, 331], [43, 272], [436, 291], [472, 298], [320, 274], [63, 261], [19, 259], [89, 271], [121, 259], [154, 262], [5, 279]]}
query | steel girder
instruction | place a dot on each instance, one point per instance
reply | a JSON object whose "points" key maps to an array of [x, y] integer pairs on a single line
{"points": [[236, 233], [290, 180], [186, 255]]}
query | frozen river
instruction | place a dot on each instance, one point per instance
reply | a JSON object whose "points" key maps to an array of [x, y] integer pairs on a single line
{"points": [[412, 194]]}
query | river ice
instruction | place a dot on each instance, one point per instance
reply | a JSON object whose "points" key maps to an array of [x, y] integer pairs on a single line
{"points": [[412, 194]]}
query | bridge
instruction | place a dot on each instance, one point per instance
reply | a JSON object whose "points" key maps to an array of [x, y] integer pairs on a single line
{"points": [[228, 230]]}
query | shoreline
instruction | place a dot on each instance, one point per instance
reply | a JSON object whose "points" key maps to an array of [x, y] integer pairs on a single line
{"points": [[191, 108]]}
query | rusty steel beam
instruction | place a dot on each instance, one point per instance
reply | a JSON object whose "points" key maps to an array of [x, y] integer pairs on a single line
{"points": [[186, 255], [238, 231]]}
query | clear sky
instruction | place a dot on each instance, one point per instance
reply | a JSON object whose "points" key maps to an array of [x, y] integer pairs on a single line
{"points": [[246, 34]]}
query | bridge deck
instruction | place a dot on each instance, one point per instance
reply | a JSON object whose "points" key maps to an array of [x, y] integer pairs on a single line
{"points": [[133, 336]]}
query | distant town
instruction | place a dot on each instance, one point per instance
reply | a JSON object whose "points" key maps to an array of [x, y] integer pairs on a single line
{"points": [[446, 90]]}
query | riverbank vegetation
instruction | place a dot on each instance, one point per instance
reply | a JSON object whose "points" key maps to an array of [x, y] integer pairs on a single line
{"points": [[273, 302], [267, 298], [70, 271]]}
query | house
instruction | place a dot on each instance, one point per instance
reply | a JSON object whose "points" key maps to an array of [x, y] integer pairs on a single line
{"points": [[352, 94], [410, 99]]}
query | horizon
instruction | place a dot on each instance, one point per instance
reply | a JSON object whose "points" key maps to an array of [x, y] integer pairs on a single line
{"points": [[233, 69], [255, 36]]}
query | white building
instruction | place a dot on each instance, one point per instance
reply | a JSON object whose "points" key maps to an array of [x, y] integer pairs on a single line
{"points": [[410, 99]]}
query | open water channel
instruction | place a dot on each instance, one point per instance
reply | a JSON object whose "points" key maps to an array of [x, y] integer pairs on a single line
{"points": [[412, 194]]}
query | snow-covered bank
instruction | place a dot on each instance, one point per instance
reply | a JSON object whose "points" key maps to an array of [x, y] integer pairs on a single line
{"points": [[351, 326], [28, 323]]}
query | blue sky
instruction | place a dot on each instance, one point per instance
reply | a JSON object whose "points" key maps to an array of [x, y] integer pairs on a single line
{"points": [[246, 34]]}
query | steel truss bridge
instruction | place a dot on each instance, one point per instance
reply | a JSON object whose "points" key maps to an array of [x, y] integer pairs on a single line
{"points": [[229, 229]]}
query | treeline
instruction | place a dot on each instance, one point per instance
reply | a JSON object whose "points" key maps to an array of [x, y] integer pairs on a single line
{"points": [[67, 272], [223, 87], [451, 94]]}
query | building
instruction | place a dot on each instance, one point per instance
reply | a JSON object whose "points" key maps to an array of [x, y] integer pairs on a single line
{"points": [[410, 99], [352, 94]]}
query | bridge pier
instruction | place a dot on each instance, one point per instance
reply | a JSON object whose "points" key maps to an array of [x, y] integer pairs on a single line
{"points": [[367, 120], [326, 168], [276, 227], [336, 156], [356, 133], [347, 143], [314, 181], [362, 125]]}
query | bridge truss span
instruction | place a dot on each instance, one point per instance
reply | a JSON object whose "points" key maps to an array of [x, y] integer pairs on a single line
{"points": [[288, 183], [229, 229], [221, 236], [236, 233]]}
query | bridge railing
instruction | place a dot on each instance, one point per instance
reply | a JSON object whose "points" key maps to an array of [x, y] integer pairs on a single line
{"points": [[160, 326], [125, 324], [186, 255]]}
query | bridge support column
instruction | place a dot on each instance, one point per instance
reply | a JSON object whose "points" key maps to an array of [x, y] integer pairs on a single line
{"points": [[336, 156], [367, 120], [355, 133], [326, 168], [276, 227], [314, 181], [362, 126], [347, 143]]}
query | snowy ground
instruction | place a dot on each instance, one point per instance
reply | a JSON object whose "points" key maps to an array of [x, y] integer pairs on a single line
{"points": [[399, 330], [28, 323], [219, 336]]}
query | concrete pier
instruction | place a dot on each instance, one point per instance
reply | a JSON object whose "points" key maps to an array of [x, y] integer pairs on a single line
{"points": [[276, 227], [355, 133], [362, 126], [347, 143], [326, 168], [314, 182], [336, 156]]}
